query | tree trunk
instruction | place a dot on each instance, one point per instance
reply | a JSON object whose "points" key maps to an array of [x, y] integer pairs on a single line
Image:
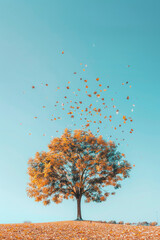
{"points": [[79, 217]]}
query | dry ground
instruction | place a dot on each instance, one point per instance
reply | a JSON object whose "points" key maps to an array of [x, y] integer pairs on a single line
{"points": [[77, 230]]}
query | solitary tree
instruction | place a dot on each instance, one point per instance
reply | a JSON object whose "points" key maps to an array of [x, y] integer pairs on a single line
{"points": [[77, 164]]}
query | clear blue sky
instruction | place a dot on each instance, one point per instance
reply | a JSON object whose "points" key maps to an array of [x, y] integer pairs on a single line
{"points": [[107, 36]]}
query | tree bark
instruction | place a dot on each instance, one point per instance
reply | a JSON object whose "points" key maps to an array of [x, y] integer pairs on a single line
{"points": [[79, 216]]}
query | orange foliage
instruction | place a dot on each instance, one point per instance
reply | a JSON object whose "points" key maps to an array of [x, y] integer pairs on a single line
{"points": [[77, 164]]}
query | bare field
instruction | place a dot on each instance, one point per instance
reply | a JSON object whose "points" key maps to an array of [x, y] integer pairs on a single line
{"points": [[84, 230]]}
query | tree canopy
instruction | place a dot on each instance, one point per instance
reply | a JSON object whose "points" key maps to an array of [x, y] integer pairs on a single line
{"points": [[77, 164]]}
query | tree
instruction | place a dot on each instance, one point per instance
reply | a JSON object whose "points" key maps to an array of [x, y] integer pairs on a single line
{"points": [[77, 164]]}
